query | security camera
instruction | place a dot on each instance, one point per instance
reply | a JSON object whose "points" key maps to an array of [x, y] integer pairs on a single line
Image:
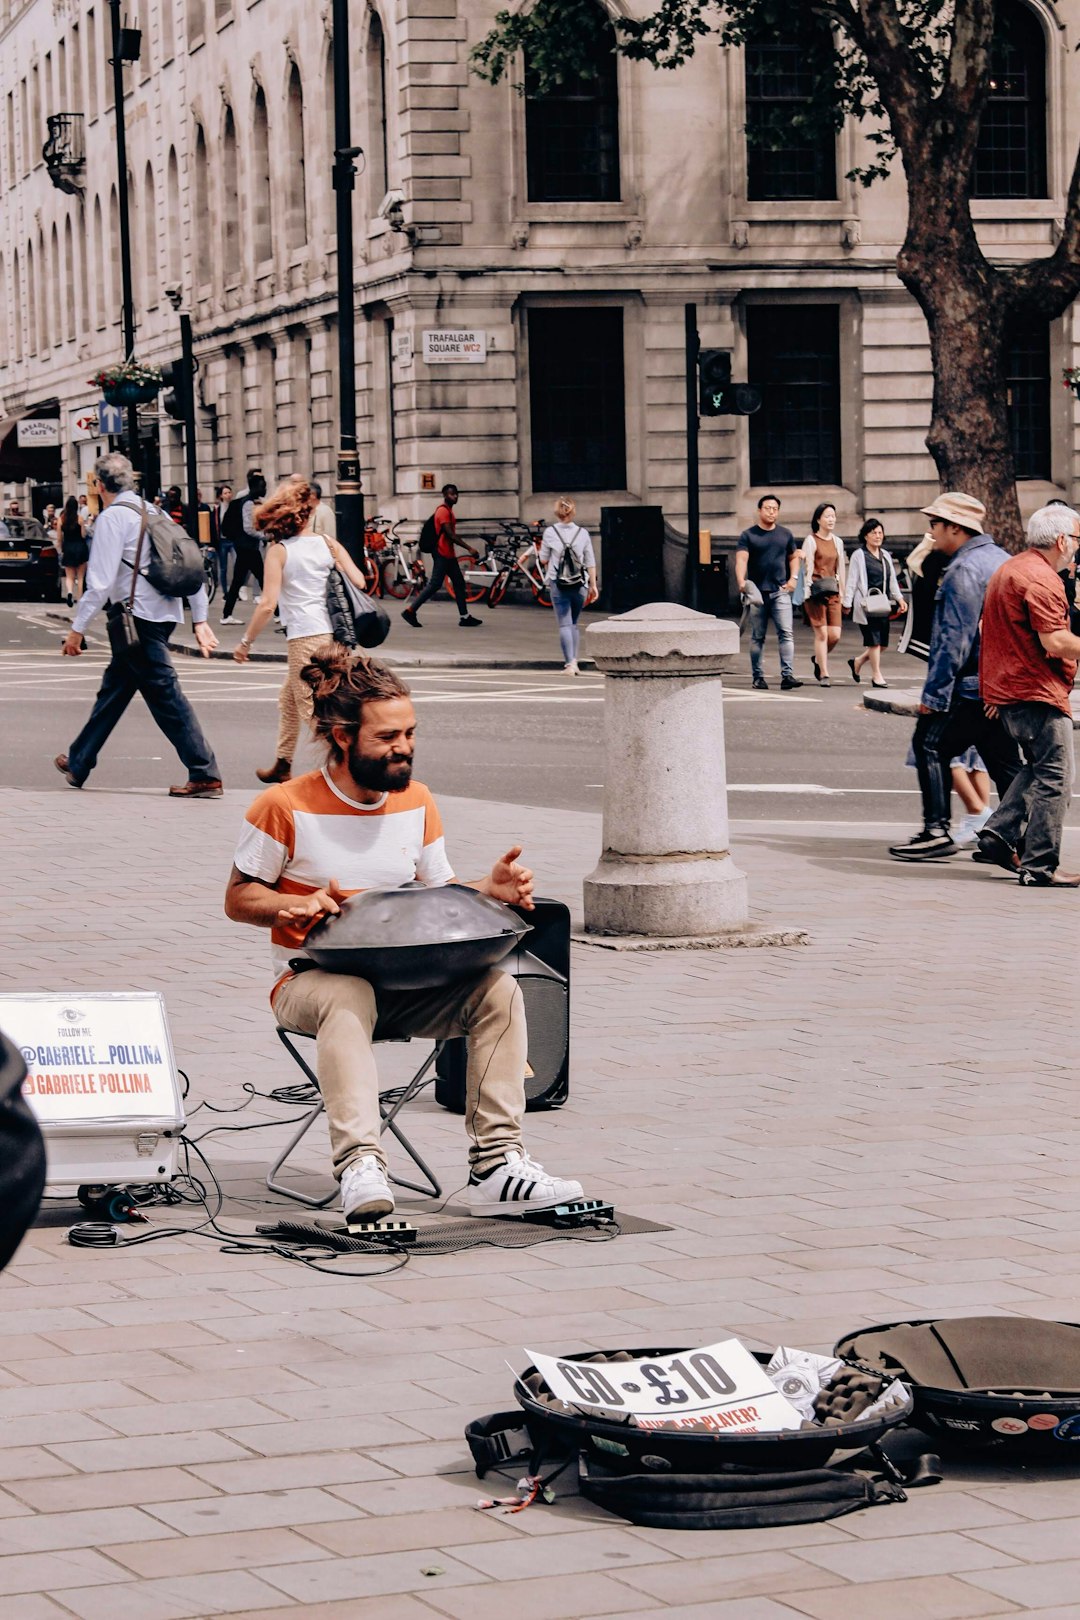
{"points": [[174, 292], [392, 209]]}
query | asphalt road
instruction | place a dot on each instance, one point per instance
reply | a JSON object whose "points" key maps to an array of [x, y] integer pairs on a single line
{"points": [[527, 736]]}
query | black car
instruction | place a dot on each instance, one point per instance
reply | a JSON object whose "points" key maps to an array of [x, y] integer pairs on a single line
{"points": [[29, 562]]}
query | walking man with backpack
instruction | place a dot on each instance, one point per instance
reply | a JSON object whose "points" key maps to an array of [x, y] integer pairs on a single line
{"points": [[438, 539], [238, 529], [134, 558]]}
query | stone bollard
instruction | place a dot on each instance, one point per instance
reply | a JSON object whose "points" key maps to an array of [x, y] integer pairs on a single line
{"points": [[666, 870]]}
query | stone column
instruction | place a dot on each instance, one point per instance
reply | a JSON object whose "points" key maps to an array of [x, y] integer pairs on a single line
{"points": [[666, 870]]}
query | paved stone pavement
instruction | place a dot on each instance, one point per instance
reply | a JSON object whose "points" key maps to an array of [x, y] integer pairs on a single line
{"points": [[875, 1126]]}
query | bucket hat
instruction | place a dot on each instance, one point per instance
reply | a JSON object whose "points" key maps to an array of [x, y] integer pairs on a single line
{"points": [[963, 510]]}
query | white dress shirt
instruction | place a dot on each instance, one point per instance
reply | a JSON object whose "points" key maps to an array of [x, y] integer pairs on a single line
{"points": [[108, 574]]}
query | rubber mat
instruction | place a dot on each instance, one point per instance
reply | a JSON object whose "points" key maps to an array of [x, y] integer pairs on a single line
{"points": [[449, 1237]]}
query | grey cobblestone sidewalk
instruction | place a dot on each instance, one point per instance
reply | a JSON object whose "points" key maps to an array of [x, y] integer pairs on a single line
{"points": [[877, 1125]]}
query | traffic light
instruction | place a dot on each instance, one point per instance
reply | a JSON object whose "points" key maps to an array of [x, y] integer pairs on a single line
{"points": [[176, 379], [719, 396]]}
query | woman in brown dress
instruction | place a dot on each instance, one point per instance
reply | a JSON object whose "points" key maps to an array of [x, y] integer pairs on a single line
{"points": [[824, 575]]}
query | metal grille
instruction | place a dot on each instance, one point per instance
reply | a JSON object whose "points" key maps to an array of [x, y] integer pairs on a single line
{"points": [[794, 358], [576, 394], [572, 135], [780, 85], [1010, 160], [1027, 377]]}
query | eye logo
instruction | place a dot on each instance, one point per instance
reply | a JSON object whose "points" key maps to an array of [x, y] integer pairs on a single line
{"points": [[71, 1015]]}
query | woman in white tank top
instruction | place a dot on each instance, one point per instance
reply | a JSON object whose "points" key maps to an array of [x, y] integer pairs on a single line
{"points": [[296, 568]]}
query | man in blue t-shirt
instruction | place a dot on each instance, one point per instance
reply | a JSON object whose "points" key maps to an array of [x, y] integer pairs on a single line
{"points": [[766, 572]]}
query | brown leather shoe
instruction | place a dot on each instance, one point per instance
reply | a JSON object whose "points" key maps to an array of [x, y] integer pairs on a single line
{"points": [[1059, 880], [196, 790], [61, 763], [280, 771]]}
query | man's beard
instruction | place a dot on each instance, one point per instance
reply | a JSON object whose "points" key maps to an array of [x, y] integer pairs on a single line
{"points": [[390, 773]]}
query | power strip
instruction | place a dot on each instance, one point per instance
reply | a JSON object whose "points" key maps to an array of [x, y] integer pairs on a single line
{"points": [[382, 1231]]}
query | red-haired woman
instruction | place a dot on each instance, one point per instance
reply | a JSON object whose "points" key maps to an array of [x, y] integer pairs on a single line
{"points": [[296, 568]]}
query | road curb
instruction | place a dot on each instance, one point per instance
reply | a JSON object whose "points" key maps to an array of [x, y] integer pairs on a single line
{"points": [[188, 649]]}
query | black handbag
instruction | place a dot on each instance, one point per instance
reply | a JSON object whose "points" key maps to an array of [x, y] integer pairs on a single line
{"points": [[356, 619], [821, 589], [120, 616]]}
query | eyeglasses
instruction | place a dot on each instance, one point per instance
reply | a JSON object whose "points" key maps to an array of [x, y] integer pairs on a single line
{"points": [[937, 523]]}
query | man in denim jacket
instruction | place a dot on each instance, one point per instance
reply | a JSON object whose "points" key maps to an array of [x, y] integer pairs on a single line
{"points": [[952, 718]]}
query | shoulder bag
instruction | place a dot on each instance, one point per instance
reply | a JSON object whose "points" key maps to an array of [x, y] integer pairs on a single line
{"points": [[356, 619], [123, 631]]}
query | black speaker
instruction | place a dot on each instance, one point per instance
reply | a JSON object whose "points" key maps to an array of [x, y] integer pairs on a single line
{"points": [[541, 965], [633, 556]]}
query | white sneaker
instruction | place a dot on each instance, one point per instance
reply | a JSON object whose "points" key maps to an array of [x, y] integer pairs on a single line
{"points": [[518, 1184], [231, 619], [242, 593], [571, 668], [365, 1189], [258, 599]]}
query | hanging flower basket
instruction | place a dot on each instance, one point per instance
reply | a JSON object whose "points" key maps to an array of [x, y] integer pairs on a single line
{"points": [[129, 383], [1070, 376]]}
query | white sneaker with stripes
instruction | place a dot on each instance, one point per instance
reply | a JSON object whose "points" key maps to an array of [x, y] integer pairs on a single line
{"points": [[520, 1183]]}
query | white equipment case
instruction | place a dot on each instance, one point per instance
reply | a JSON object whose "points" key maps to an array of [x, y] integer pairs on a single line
{"points": [[102, 1082]]}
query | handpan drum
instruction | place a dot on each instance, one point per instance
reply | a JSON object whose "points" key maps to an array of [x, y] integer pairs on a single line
{"points": [[415, 938]]}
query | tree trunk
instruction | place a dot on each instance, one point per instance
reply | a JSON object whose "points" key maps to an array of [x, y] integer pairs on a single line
{"points": [[965, 302]]}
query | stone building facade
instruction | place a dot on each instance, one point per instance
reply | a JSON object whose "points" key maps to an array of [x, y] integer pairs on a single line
{"points": [[521, 265]]}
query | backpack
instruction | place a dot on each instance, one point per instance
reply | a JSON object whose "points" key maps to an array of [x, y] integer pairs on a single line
{"points": [[174, 563], [232, 524], [429, 537], [570, 574]]}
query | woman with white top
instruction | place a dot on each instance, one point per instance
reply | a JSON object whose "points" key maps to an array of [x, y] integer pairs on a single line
{"points": [[824, 576], [297, 566], [569, 570], [873, 591]]}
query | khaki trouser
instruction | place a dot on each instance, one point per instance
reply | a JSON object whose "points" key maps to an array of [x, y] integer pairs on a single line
{"points": [[294, 699], [345, 1014]]}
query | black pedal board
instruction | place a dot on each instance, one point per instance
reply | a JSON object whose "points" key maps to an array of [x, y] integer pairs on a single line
{"points": [[382, 1231], [580, 1212]]}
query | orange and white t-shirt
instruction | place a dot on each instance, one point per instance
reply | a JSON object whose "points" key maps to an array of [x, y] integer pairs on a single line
{"points": [[300, 834]]}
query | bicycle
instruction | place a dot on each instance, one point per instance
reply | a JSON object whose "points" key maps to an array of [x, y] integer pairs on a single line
{"points": [[401, 571], [376, 530], [511, 557]]}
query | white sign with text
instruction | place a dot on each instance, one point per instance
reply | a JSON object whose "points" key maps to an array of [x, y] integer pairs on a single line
{"points": [[721, 1387], [39, 432], [94, 1057], [454, 348]]}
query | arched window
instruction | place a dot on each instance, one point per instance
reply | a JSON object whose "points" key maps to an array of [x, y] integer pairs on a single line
{"points": [[1010, 160], [572, 132], [99, 265], [204, 266], [31, 301], [44, 338], [230, 210], [91, 65], [261, 228], [173, 246], [3, 313], [16, 309], [151, 226], [786, 162], [378, 143], [56, 286], [196, 21], [222, 11], [69, 281], [296, 195], [114, 312]]}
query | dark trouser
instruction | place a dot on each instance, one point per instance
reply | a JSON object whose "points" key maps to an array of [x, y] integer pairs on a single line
{"points": [[940, 737], [444, 568], [1040, 793], [226, 552], [248, 561], [147, 669]]}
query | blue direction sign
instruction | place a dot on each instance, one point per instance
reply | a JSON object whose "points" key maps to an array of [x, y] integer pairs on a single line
{"points": [[110, 418]]}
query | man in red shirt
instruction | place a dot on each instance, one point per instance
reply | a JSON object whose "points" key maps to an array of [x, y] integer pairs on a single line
{"points": [[1026, 671], [445, 565]]}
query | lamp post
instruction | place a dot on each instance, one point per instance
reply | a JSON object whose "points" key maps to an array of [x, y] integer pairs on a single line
{"points": [[126, 46], [349, 498]]}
